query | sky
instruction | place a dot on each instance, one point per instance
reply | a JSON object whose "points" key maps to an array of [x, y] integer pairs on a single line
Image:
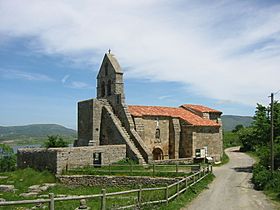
{"points": [[222, 54]]}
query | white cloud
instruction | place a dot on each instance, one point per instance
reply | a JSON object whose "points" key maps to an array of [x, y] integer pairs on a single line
{"points": [[79, 85], [65, 78], [22, 75], [227, 50]]}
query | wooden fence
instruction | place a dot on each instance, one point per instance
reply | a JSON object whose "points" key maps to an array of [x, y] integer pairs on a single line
{"points": [[132, 169], [181, 186]]}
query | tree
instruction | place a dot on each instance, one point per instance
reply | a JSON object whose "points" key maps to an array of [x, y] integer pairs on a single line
{"points": [[55, 141], [237, 128]]}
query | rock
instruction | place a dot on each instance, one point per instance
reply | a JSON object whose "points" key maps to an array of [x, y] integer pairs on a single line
{"points": [[3, 177], [34, 188], [7, 188], [43, 196], [49, 184], [29, 194], [61, 196], [10, 182]]}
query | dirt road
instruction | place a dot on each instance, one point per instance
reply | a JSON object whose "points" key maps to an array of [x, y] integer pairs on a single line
{"points": [[231, 189]]}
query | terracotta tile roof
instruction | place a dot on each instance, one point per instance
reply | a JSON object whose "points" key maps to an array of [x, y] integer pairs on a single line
{"points": [[189, 117], [200, 108]]}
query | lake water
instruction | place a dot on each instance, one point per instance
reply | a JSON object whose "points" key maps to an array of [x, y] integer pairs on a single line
{"points": [[15, 148]]}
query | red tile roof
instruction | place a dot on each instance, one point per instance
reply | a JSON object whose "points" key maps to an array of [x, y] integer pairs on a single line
{"points": [[200, 108], [189, 117]]}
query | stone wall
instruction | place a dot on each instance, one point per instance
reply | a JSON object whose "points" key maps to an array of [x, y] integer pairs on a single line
{"points": [[147, 127], [85, 122], [209, 137], [38, 158], [89, 180], [58, 159]]}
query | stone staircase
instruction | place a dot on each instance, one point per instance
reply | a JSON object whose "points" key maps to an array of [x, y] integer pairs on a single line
{"points": [[123, 132]]}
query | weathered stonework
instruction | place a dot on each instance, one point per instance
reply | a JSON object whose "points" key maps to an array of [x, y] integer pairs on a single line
{"points": [[89, 180], [149, 136], [59, 159]]}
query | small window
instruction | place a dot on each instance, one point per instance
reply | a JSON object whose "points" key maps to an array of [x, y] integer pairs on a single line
{"points": [[157, 133], [106, 69]]}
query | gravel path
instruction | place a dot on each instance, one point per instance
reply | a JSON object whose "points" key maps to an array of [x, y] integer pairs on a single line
{"points": [[231, 189]]}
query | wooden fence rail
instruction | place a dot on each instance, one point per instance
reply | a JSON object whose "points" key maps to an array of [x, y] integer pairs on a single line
{"points": [[185, 182]]}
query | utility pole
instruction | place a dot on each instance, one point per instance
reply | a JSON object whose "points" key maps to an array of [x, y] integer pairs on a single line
{"points": [[272, 133]]}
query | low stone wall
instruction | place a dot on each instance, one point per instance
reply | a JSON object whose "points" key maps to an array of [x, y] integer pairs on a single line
{"points": [[174, 161], [90, 180], [58, 159]]}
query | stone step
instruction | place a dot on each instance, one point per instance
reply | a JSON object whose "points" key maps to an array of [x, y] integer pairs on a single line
{"points": [[118, 122]]}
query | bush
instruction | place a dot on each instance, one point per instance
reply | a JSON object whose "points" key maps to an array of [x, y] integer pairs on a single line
{"points": [[55, 141], [261, 176], [274, 183]]}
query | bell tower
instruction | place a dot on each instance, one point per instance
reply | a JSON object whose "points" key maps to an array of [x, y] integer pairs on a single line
{"points": [[110, 81]]}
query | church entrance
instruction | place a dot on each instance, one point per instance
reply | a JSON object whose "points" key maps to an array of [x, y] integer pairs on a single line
{"points": [[157, 154]]}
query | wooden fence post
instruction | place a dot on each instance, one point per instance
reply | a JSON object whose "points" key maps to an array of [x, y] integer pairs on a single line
{"points": [[103, 199], [193, 178], [140, 196], [178, 188], [211, 169], [51, 204], [166, 194], [186, 183]]}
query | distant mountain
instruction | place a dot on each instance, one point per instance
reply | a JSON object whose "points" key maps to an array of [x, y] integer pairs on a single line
{"points": [[36, 130], [230, 121]]}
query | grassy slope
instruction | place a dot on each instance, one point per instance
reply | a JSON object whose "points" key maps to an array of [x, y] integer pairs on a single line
{"points": [[34, 134], [22, 179]]}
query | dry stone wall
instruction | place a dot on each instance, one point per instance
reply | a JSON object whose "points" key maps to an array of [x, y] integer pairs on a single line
{"points": [[89, 180], [58, 159]]}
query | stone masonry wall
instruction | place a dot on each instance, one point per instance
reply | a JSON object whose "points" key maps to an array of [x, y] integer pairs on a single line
{"points": [[89, 180], [211, 138], [85, 122], [150, 125], [58, 159], [38, 158]]}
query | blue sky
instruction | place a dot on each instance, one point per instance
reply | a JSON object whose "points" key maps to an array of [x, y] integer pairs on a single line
{"points": [[223, 54]]}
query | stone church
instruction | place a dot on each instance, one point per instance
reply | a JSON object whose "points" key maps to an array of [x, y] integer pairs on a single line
{"points": [[149, 132]]}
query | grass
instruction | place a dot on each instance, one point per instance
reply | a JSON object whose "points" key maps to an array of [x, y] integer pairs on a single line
{"points": [[224, 160], [22, 179], [130, 168], [187, 196]]}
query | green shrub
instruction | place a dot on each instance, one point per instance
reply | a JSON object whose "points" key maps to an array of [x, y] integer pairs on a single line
{"points": [[261, 176], [274, 182]]}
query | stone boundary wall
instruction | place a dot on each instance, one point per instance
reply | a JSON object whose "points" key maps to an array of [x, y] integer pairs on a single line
{"points": [[58, 159], [90, 180], [174, 161]]}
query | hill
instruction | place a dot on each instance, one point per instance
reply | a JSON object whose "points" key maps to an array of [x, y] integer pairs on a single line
{"points": [[230, 121], [34, 134]]}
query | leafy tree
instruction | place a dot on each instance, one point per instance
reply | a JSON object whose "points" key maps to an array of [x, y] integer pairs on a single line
{"points": [[237, 128], [55, 141], [7, 158]]}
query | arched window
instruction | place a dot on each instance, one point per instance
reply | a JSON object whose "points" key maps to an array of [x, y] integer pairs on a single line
{"points": [[106, 69], [109, 91], [103, 89]]}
